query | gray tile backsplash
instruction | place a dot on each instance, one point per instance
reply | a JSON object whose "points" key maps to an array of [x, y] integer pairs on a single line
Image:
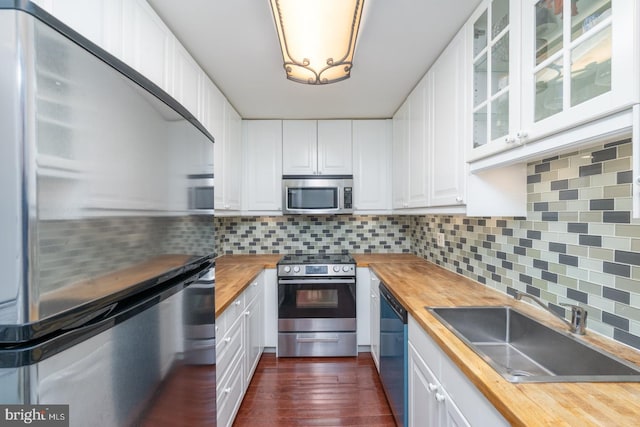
{"points": [[582, 249], [578, 243], [68, 251], [305, 234]]}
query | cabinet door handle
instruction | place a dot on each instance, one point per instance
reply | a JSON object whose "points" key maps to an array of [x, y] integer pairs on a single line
{"points": [[247, 313], [522, 135], [227, 390], [237, 302], [227, 339], [439, 397], [459, 199], [432, 387]]}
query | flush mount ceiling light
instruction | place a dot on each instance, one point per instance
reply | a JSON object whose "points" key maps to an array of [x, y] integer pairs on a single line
{"points": [[317, 37]]}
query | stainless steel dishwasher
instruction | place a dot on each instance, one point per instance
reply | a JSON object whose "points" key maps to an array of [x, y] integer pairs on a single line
{"points": [[393, 354]]}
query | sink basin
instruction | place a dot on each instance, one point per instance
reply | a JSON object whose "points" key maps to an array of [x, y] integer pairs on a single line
{"points": [[524, 350]]}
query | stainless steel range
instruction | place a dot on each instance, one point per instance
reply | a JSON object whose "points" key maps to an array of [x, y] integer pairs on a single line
{"points": [[317, 305]]}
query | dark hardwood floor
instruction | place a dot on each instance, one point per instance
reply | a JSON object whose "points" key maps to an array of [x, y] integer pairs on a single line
{"points": [[343, 391], [186, 399]]}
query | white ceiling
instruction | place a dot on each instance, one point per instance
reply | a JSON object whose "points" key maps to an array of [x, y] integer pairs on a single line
{"points": [[235, 42]]}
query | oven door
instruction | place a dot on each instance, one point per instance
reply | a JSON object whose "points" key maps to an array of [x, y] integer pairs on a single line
{"points": [[316, 304]]}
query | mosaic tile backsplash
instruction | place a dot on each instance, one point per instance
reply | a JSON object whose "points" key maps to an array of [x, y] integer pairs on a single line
{"points": [[73, 250], [578, 243], [305, 234]]}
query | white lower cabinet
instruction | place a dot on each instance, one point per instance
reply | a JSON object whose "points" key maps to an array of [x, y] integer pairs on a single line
{"points": [[439, 393], [270, 308], [253, 331], [239, 345], [363, 314], [429, 403], [374, 325]]}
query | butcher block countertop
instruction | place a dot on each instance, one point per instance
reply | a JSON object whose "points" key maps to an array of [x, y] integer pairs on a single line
{"points": [[418, 283], [235, 272]]}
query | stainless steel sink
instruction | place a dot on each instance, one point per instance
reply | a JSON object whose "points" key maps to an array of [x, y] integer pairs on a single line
{"points": [[523, 350]]}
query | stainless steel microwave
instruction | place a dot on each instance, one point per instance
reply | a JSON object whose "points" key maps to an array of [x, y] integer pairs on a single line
{"points": [[200, 198], [311, 194]]}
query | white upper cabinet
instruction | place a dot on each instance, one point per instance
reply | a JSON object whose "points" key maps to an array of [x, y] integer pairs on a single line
{"points": [[410, 151], [446, 97], [400, 157], [299, 147], [212, 109], [493, 33], [148, 43], [316, 147], [187, 81], [98, 20], [262, 165], [579, 62], [372, 165], [228, 163], [418, 195], [334, 147]]}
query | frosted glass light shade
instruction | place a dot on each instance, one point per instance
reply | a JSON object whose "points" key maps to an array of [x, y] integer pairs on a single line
{"points": [[317, 37]]}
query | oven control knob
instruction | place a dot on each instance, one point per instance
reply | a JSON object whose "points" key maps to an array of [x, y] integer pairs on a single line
{"points": [[287, 269], [345, 268], [336, 268], [296, 269]]}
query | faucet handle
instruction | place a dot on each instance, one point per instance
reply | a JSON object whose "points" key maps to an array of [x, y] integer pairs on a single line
{"points": [[578, 318]]}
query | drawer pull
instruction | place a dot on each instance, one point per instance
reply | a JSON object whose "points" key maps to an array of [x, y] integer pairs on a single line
{"points": [[432, 387], [237, 302], [227, 339], [439, 397], [247, 313], [310, 340], [227, 390]]}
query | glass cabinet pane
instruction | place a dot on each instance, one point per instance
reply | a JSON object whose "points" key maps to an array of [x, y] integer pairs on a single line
{"points": [[500, 65], [480, 127], [499, 17], [591, 67], [480, 34], [500, 116], [548, 100], [586, 14], [548, 29], [480, 81]]}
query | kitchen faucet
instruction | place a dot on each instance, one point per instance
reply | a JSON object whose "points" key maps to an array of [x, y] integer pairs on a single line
{"points": [[578, 322]]}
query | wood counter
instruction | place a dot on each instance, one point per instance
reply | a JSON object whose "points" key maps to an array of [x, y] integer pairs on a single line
{"points": [[420, 284], [364, 260], [235, 272]]}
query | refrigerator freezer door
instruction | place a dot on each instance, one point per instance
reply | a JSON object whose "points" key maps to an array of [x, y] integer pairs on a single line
{"points": [[94, 179]]}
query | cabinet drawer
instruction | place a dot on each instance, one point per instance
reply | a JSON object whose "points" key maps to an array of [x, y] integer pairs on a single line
{"points": [[425, 346], [228, 349], [229, 395], [252, 290], [235, 309]]}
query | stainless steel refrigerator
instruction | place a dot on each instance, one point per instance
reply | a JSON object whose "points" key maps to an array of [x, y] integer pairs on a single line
{"points": [[107, 239]]}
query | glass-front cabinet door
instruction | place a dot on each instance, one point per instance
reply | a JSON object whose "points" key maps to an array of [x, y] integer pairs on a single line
{"points": [[579, 62], [494, 30]]}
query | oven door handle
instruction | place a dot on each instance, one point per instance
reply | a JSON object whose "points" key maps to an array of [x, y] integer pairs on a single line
{"points": [[316, 281]]}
